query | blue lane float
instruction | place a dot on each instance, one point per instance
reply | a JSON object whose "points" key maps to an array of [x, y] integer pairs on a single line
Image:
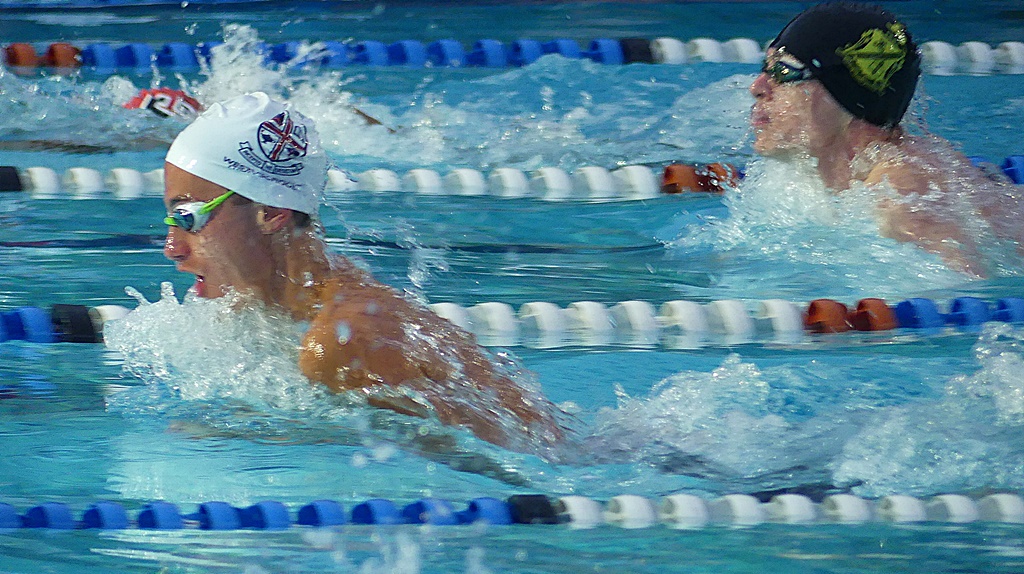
{"points": [[204, 50], [678, 510], [160, 515], [177, 57], [321, 513], [137, 57], [105, 515], [377, 511], [486, 509], [30, 324], [370, 53], [524, 52], [918, 313], [409, 53], [605, 51], [487, 53], [265, 515], [1013, 167], [564, 47], [1009, 310], [940, 57], [60, 324], [53, 515], [447, 53], [968, 312], [216, 515], [430, 511], [99, 59], [9, 517]]}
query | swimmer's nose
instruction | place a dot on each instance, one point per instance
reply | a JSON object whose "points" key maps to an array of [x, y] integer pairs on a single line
{"points": [[175, 246], [761, 87]]}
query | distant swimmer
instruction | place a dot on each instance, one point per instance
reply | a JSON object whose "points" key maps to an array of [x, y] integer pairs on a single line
{"points": [[166, 103], [243, 189], [834, 87], [171, 103], [163, 101]]}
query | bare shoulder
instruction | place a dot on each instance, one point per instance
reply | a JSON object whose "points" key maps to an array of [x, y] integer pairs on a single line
{"points": [[354, 339], [907, 171], [367, 337]]}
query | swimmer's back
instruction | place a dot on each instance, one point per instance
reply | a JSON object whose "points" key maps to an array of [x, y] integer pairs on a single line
{"points": [[365, 337]]}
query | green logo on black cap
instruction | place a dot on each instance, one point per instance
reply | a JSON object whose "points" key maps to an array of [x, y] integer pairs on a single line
{"points": [[878, 55]]}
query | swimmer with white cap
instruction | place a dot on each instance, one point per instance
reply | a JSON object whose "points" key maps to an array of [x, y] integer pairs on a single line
{"points": [[243, 188], [835, 85]]}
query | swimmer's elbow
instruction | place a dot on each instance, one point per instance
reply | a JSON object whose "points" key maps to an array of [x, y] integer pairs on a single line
{"points": [[312, 364]]}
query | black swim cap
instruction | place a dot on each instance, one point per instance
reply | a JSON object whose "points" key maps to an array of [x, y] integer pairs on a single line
{"points": [[862, 55]]}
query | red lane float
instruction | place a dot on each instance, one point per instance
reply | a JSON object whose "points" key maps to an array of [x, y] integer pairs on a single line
{"points": [[872, 315], [678, 178], [23, 59], [830, 316], [62, 56], [21, 56], [711, 178], [826, 316]]}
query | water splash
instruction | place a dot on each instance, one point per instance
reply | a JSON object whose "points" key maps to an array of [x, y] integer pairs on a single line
{"points": [[968, 439], [723, 425], [787, 235], [229, 367], [900, 425], [204, 349]]}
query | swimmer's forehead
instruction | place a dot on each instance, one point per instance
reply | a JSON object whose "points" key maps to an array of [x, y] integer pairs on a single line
{"points": [[183, 187]]}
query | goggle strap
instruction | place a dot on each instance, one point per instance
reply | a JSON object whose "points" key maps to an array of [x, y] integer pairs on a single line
{"points": [[213, 204]]}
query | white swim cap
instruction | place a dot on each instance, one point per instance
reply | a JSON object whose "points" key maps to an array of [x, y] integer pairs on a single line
{"points": [[257, 147]]}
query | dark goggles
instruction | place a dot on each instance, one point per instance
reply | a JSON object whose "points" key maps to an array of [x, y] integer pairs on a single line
{"points": [[785, 73]]}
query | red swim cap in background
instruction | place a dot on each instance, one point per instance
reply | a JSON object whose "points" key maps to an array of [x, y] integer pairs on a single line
{"points": [[166, 102]]}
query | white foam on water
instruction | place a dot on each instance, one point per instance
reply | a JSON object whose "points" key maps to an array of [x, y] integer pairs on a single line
{"points": [[969, 436], [786, 232]]}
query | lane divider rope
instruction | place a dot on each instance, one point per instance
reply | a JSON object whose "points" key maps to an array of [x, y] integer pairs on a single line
{"points": [[675, 324], [938, 57], [688, 325], [680, 511], [592, 183], [631, 182]]}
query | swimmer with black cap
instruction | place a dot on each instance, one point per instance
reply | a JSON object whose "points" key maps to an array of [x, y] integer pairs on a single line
{"points": [[243, 188], [834, 86]]}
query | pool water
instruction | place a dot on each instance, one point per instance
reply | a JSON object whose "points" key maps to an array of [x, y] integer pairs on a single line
{"points": [[190, 402]]}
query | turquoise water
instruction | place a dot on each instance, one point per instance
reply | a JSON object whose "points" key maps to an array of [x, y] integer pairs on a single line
{"points": [[177, 410]]}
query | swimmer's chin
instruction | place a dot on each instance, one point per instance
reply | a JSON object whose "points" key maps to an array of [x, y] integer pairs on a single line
{"points": [[204, 290], [199, 288]]}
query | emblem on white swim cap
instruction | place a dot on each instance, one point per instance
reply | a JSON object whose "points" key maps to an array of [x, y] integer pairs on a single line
{"points": [[257, 147]]}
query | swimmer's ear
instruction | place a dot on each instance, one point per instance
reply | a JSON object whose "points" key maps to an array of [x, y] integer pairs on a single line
{"points": [[272, 219]]}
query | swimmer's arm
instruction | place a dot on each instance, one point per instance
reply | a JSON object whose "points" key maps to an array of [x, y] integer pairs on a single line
{"points": [[370, 120], [348, 348], [907, 223]]}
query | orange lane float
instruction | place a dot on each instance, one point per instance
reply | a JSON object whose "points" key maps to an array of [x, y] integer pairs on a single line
{"points": [[20, 56], [717, 177], [710, 178], [826, 316], [678, 178], [872, 315], [62, 56]]}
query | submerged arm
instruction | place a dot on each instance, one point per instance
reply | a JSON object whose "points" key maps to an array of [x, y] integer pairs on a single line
{"points": [[927, 223]]}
